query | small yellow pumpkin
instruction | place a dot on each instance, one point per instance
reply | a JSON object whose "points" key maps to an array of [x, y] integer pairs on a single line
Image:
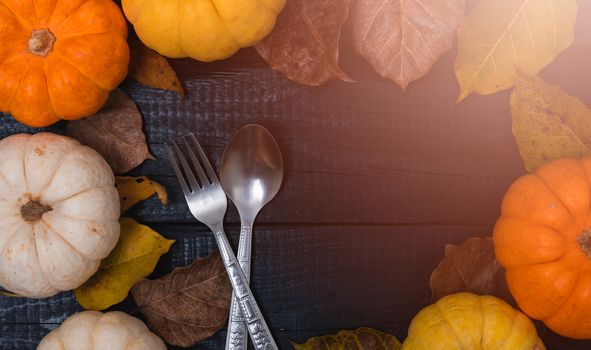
{"points": [[469, 321], [206, 30]]}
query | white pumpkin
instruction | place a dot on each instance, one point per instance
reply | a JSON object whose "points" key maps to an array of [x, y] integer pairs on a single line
{"points": [[93, 330], [59, 210]]}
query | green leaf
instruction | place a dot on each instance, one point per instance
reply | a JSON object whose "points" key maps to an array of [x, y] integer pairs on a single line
{"points": [[134, 257]]}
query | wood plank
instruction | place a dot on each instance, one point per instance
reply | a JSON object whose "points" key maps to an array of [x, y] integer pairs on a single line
{"points": [[308, 280], [305, 278], [354, 153], [406, 172], [22, 336], [27, 336], [364, 153], [413, 161]]}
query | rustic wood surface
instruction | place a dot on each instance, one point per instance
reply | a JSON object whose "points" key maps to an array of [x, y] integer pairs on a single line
{"points": [[377, 182]]}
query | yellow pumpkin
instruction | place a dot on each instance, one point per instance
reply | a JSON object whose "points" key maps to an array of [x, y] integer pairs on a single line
{"points": [[469, 321], [205, 30]]}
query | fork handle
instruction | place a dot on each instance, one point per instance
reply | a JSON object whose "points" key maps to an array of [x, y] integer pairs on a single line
{"points": [[256, 325], [236, 338]]}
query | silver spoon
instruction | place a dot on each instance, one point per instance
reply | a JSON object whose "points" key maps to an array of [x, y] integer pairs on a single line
{"points": [[251, 174]]}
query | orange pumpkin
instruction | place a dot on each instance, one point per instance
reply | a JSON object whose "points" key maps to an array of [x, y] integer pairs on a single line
{"points": [[59, 59], [543, 239]]}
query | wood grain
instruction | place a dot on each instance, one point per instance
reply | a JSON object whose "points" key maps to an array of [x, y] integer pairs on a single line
{"points": [[17, 336], [359, 266], [377, 182], [359, 276]]}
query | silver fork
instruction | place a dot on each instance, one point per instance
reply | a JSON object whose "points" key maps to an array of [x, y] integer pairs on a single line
{"points": [[207, 202]]}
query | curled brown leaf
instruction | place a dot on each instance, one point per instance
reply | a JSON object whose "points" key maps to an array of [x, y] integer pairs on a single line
{"points": [[189, 304], [115, 132], [469, 267], [305, 42]]}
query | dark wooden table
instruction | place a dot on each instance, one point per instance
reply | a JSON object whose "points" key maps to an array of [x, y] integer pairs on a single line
{"points": [[377, 182]]}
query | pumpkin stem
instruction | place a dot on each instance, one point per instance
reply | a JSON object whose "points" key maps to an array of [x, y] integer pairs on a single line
{"points": [[33, 211], [584, 241], [41, 42]]}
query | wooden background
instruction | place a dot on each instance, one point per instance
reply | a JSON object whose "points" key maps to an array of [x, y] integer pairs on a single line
{"points": [[377, 182]]}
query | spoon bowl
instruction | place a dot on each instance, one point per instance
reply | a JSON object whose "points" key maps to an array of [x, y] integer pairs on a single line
{"points": [[251, 174], [251, 169]]}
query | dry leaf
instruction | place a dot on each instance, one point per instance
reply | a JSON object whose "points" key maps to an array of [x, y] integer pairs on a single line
{"points": [[189, 304], [10, 294], [359, 339], [135, 256], [500, 40], [548, 123], [305, 42], [403, 39], [115, 132], [469, 267], [133, 190], [150, 68]]}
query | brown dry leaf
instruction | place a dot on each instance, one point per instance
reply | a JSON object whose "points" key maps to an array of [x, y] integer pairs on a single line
{"points": [[548, 123], [469, 267], [150, 68], [189, 304], [115, 132], [133, 190], [403, 39], [359, 339], [500, 40], [305, 42]]}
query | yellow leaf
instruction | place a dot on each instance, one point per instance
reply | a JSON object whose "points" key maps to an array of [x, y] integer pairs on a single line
{"points": [[359, 339], [134, 257], [10, 294], [548, 123], [150, 68], [133, 190], [500, 40]]}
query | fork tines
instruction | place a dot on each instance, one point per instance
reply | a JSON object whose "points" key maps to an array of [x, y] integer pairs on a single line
{"points": [[198, 165]]}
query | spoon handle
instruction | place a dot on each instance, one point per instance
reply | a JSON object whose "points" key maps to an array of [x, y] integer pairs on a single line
{"points": [[256, 325], [236, 338]]}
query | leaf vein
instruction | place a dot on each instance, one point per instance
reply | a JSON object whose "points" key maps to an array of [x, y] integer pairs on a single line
{"points": [[498, 42]]}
